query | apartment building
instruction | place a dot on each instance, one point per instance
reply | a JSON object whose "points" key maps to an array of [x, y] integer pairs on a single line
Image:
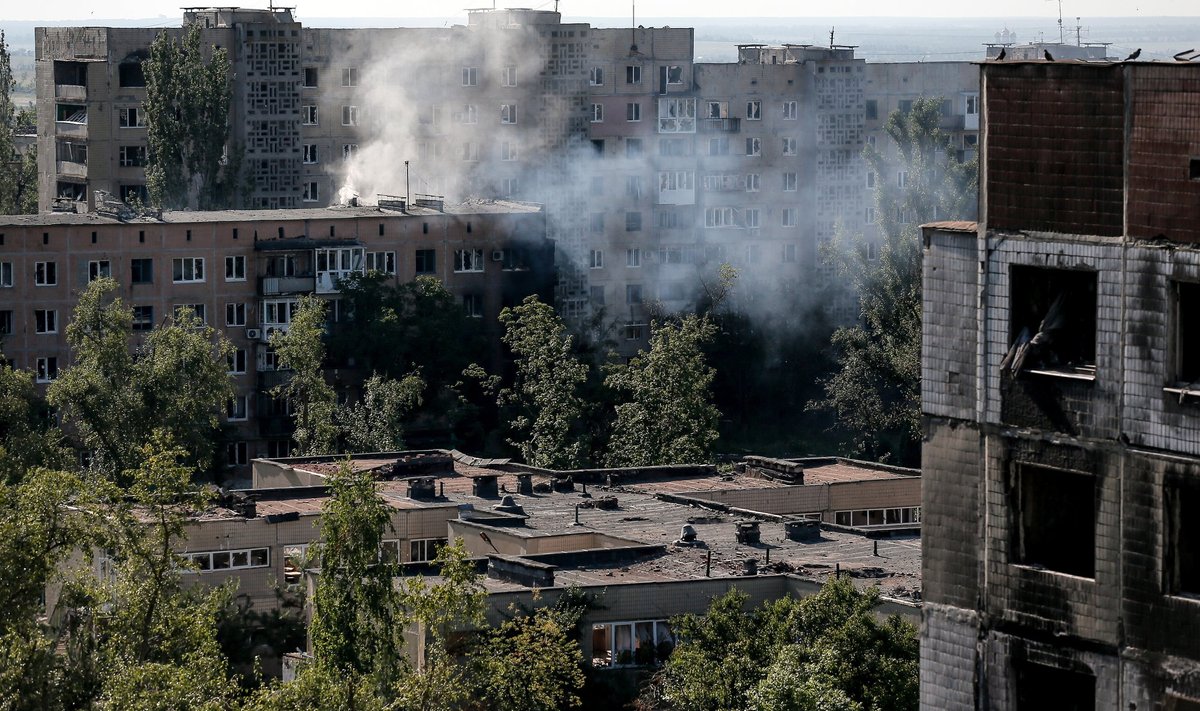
{"points": [[1061, 456], [653, 169], [244, 271]]}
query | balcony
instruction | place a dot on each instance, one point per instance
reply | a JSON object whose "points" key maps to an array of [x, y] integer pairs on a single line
{"points": [[720, 125], [71, 129], [273, 286], [72, 92], [71, 169]]}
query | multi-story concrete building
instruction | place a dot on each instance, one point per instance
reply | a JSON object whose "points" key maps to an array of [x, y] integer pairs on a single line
{"points": [[653, 169], [1062, 449], [243, 273]]}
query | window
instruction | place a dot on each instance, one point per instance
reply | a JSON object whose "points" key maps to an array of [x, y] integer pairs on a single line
{"points": [[872, 251], [311, 191], [633, 111], [676, 115], [468, 260], [1044, 687], [470, 151], [235, 268], [597, 113], [633, 293], [143, 318], [141, 271], [789, 182], [716, 109], [508, 76], [788, 217], [310, 153], [350, 76], [754, 110], [131, 117], [633, 257], [751, 217], [308, 115], [1186, 366], [99, 269], [633, 186], [789, 253], [674, 74], [902, 179], [1181, 523], [752, 251], [753, 181], [349, 150], [719, 217], [237, 362], [508, 150], [870, 178], [187, 269], [870, 518], [473, 305], [470, 76], [869, 216], [871, 108], [131, 156], [789, 111], [1056, 520], [422, 549], [718, 146], [618, 644], [596, 258], [670, 255], [789, 146], [596, 295], [972, 104], [235, 314], [209, 561], [633, 74], [508, 113], [279, 312], [633, 147], [6, 275], [1052, 321], [596, 222], [349, 115], [45, 321], [45, 274], [633, 331], [183, 310], [47, 369], [381, 262], [596, 76], [235, 409], [426, 261], [6, 322], [633, 222], [131, 74], [310, 78]]}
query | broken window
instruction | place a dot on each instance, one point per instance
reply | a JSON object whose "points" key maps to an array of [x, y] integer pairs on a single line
{"points": [[350, 76], [633, 74], [6, 275], [311, 192], [676, 115], [6, 322], [1052, 324], [789, 146], [45, 273], [674, 74], [871, 109], [468, 260], [596, 76], [235, 408], [308, 115], [789, 111], [597, 113], [236, 361], [47, 369], [310, 153], [1187, 336], [596, 259], [1056, 520], [633, 222], [98, 269], [426, 261], [508, 113], [349, 115], [130, 156], [509, 76], [633, 293], [753, 110], [128, 117], [1044, 687], [753, 146], [235, 314], [789, 182], [45, 320], [70, 73], [1181, 520], [310, 78], [384, 262], [143, 318]]}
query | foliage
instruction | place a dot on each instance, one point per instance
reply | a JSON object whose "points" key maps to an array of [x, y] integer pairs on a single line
{"points": [[115, 399], [545, 389], [18, 178], [875, 392], [824, 652], [28, 435], [376, 422], [531, 662], [665, 415], [187, 104], [302, 351]]}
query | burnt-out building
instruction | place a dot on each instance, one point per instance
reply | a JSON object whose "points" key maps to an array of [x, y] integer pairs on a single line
{"points": [[1062, 419]]}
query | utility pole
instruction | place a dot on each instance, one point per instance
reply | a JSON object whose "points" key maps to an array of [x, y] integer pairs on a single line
{"points": [[407, 188]]}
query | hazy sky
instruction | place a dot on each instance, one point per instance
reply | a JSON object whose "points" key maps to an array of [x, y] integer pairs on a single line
{"points": [[128, 9]]}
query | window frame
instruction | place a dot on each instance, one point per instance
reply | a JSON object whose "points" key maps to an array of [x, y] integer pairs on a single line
{"points": [[45, 273], [180, 270]]}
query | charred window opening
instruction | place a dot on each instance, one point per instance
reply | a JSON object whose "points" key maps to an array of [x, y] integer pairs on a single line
{"points": [[1043, 687], [130, 73], [1187, 335], [1181, 703], [1056, 526], [1194, 168], [70, 73], [1181, 564], [1052, 322]]}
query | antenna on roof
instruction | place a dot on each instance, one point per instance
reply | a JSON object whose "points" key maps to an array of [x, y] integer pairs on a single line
{"points": [[1060, 24], [831, 37]]}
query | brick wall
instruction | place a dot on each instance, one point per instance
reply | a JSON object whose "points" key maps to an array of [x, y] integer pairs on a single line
{"points": [[1164, 136], [948, 639]]}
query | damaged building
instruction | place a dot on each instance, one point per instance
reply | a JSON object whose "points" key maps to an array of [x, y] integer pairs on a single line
{"points": [[1061, 455]]}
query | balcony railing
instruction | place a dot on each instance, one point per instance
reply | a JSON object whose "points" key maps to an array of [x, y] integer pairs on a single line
{"points": [[70, 129], [71, 169], [73, 92], [720, 125], [272, 286]]}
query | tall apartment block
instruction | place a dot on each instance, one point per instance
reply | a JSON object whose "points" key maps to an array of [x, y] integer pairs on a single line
{"points": [[244, 271], [1062, 421]]}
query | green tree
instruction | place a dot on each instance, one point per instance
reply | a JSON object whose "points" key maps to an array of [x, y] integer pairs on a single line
{"points": [[301, 349], [376, 422], [532, 663], [114, 399], [18, 174], [545, 394], [875, 391], [28, 436], [189, 161], [665, 413]]}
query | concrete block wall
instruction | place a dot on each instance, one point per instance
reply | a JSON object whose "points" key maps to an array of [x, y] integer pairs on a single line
{"points": [[1003, 652], [952, 516], [950, 321], [949, 637]]}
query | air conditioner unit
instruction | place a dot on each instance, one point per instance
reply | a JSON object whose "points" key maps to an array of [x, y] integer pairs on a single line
{"points": [[497, 255], [253, 334]]}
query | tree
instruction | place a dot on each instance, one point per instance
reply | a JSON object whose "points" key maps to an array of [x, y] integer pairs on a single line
{"points": [[114, 399], [301, 349], [545, 390], [532, 663], [189, 161], [875, 392], [665, 414], [28, 435], [826, 651], [376, 422], [18, 174]]}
